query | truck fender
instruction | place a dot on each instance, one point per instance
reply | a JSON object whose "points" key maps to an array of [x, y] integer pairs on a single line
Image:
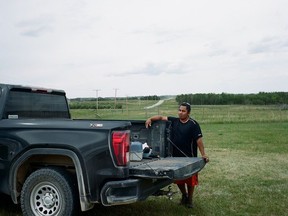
{"points": [[83, 196]]}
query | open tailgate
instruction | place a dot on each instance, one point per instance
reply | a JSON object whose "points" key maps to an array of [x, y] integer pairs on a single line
{"points": [[174, 168]]}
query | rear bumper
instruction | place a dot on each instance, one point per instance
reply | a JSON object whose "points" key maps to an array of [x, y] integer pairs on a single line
{"points": [[130, 190], [148, 178]]}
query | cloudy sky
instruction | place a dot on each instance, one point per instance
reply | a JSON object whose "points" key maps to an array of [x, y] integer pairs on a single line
{"points": [[145, 47]]}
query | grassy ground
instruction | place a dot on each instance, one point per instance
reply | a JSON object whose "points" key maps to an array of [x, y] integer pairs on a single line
{"points": [[247, 173]]}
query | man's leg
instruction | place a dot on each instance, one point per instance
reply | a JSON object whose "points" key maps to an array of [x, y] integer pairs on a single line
{"points": [[190, 196], [190, 187], [184, 198], [182, 188]]}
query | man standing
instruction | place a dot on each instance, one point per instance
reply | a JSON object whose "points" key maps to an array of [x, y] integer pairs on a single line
{"points": [[186, 136]]}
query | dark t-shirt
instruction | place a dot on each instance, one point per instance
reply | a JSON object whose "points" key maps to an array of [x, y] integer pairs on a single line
{"points": [[185, 136]]}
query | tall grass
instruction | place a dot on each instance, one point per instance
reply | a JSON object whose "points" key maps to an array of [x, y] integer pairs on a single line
{"points": [[248, 169]]}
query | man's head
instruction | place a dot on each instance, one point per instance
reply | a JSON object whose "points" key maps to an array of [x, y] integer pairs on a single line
{"points": [[184, 110]]}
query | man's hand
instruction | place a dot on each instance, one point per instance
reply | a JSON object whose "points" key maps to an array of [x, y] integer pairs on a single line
{"points": [[206, 158], [148, 123]]}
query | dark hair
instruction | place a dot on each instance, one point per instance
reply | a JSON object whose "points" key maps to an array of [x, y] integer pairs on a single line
{"points": [[187, 105]]}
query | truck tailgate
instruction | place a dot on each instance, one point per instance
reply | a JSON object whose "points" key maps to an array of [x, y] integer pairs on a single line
{"points": [[174, 168]]}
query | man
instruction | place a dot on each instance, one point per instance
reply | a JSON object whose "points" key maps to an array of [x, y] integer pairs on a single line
{"points": [[186, 136]]}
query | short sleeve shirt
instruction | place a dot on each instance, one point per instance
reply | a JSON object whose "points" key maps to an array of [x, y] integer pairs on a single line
{"points": [[184, 136]]}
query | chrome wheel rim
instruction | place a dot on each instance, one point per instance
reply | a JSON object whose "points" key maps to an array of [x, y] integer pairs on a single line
{"points": [[45, 199]]}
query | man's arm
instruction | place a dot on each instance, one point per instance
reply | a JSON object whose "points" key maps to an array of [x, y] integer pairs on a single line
{"points": [[155, 118], [200, 145]]}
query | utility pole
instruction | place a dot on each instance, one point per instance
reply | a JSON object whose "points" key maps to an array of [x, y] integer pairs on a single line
{"points": [[127, 105], [115, 89], [97, 90]]}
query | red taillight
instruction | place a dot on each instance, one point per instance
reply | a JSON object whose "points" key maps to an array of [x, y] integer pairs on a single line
{"points": [[121, 144]]}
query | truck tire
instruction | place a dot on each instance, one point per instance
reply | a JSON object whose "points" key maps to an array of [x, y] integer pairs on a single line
{"points": [[49, 191]]}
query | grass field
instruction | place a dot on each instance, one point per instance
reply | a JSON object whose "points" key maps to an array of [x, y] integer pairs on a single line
{"points": [[248, 169], [203, 113]]}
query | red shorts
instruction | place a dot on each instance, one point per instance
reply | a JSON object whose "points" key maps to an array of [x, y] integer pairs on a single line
{"points": [[192, 181]]}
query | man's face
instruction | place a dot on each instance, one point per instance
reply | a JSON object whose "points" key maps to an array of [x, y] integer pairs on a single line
{"points": [[183, 113]]}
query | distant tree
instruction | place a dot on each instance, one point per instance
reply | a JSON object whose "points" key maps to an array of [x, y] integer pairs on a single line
{"points": [[262, 98]]}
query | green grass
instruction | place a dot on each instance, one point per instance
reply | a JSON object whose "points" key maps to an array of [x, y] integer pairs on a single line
{"points": [[265, 137], [204, 114], [248, 169]]}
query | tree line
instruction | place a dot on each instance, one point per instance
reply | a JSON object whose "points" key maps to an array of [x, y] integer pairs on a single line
{"points": [[150, 97], [261, 98], [110, 103]]}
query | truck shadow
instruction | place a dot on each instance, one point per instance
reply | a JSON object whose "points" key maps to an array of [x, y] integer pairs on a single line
{"points": [[8, 208], [144, 208]]}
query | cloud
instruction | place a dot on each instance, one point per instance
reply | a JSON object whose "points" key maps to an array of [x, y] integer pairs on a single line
{"points": [[155, 69], [36, 32], [35, 27], [141, 46], [164, 35], [268, 45]]}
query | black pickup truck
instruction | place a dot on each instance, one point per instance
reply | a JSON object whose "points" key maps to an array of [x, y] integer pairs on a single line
{"points": [[54, 165]]}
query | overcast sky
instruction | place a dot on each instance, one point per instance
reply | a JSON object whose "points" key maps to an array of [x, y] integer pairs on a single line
{"points": [[145, 47]]}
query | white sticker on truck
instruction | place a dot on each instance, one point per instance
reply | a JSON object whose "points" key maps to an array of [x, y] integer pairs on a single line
{"points": [[95, 125], [12, 116]]}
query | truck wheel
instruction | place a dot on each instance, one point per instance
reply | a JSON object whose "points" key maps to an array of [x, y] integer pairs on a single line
{"points": [[48, 191]]}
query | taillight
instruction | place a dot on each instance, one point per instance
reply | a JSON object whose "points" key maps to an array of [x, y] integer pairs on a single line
{"points": [[121, 144]]}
